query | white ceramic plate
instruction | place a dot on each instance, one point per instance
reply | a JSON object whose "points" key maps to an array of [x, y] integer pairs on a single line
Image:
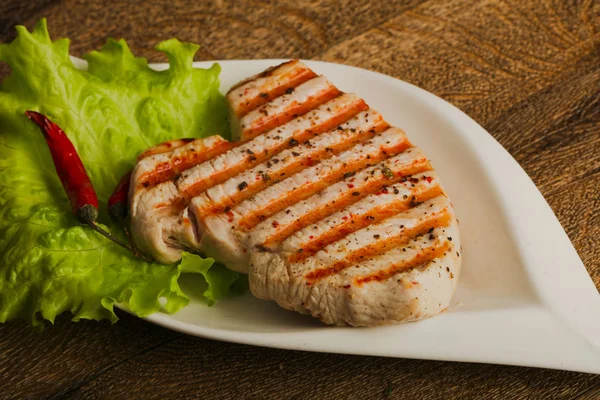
{"points": [[524, 296]]}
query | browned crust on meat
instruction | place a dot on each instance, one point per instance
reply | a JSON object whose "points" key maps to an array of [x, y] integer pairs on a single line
{"points": [[301, 161], [270, 120], [303, 192], [381, 246], [424, 257], [255, 159], [374, 216], [166, 171]]}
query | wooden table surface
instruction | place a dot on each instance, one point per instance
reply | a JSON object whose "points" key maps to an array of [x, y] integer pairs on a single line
{"points": [[527, 71]]}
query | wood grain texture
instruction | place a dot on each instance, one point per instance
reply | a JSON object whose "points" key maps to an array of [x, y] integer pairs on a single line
{"points": [[528, 71]]}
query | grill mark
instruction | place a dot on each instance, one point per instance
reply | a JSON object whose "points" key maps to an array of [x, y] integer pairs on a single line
{"points": [[166, 171], [269, 122], [302, 193], [347, 112], [165, 147], [266, 96], [432, 221], [310, 157], [374, 216], [174, 206], [347, 199], [422, 258], [267, 72]]}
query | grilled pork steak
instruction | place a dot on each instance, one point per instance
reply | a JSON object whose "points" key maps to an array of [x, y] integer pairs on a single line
{"points": [[331, 211]]}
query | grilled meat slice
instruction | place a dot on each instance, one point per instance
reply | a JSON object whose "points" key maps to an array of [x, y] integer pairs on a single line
{"points": [[331, 211]]}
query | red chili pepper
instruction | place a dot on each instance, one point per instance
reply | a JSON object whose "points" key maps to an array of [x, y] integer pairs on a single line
{"points": [[69, 168], [117, 202], [73, 176]]}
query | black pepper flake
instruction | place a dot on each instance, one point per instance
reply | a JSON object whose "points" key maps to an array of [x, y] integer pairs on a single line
{"points": [[349, 174], [275, 160], [261, 217], [430, 230], [370, 217], [431, 237], [266, 177], [227, 209], [287, 211], [355, 193], [376, 236], [249, 151], [352, 130], [328, 149], [405, 197], [289, 90], [264, 95], [300, 250], [457, 254], [387, 172], [242, 185], [339, 128], [396, 191], [252, 157], [449, 238], [293, 142], [295, 154], [269, 165], [401, 226]]}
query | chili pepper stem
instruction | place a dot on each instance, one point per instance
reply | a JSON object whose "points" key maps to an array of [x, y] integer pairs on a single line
{"points": [[112, 238]]}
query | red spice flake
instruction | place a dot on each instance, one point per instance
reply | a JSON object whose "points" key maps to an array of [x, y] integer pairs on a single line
{"points": [[275, 224], [350, 185], [346, 286], [311, 237], [428, 179]]}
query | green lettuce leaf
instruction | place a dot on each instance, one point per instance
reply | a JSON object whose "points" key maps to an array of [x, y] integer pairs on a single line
{"points": [[49, 263]]}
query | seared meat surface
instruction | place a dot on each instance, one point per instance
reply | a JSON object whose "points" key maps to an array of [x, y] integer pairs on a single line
{"points": [[330, 210]]}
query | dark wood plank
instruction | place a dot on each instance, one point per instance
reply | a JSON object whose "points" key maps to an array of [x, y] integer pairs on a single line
{"points": [[35, 365], [482, 56], [229, 29], [197, 368]]}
